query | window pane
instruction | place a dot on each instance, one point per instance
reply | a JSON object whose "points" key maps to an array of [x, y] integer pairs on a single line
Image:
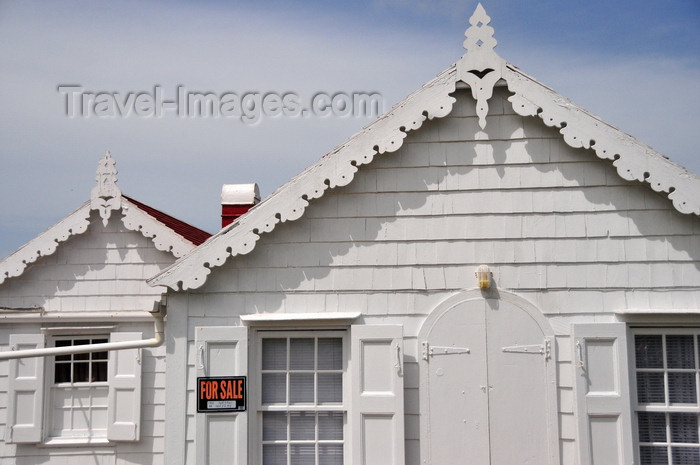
{"points": [[274, 388], [81, 372], [330, 454], [302, 426], [684, 427], [330, 388], [330, 425], [652, 427], [274, 354], [650, 388], [63, 343], [301, 354], [302, 454], [680, 351], [681, 388], [274, 426], [62, 373], [301, 388], [653, 455], [274, 454], [686, 455], [99, 371], [648, 351], [330, 353], [99, 355], [81, 342]]}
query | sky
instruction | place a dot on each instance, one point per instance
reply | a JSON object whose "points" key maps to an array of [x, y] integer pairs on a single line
{"points": [[635, 64]]}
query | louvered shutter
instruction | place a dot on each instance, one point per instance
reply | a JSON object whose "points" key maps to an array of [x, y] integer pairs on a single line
{"points": [[221, 437], [602, 394], [25, 392], [124, 403], [377, 395]]}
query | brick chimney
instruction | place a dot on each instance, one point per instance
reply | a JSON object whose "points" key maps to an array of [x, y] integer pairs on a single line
{"points": [[236, 199]]}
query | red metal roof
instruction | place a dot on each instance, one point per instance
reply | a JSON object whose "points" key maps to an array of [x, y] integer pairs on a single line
{"points": [[189, 232]]}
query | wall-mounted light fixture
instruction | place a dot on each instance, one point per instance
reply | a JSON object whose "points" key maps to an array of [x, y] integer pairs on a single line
{"points": [[483, 276]]}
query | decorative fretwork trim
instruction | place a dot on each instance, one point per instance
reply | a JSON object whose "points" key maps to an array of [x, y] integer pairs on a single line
{"points": [[46, 243], [335, 169]]}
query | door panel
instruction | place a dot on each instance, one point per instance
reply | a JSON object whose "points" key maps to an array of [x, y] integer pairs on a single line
{"points": [[517, 400], [457, 387]]}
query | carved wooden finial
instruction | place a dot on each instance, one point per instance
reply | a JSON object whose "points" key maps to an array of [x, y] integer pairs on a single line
{"points": [[479, 37], [480, 67], [106, 196]]}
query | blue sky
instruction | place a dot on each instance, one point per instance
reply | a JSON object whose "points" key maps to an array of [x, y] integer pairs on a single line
{"points": [[636, 64]]}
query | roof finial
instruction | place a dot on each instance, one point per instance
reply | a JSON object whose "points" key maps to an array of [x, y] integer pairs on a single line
{"points": [[480, 67], [479, 37], [106, 196]]}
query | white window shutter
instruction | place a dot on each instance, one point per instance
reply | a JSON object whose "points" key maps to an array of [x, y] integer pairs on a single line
{"points": [[124, 403], [25, 407], [221, 437], [377, 418], [602, 394]]}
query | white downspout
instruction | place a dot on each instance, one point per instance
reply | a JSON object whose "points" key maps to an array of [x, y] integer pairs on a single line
{"points": [[51, 351]]}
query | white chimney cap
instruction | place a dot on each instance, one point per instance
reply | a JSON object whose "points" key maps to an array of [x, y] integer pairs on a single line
{"points": [[240, 194]]}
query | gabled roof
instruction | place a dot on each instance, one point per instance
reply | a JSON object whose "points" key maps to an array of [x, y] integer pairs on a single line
{"points": [[167, 233], [480, 69]]}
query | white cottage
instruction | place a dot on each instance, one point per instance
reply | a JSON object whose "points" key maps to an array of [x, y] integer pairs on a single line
{"points": [[81, 286], [488, 274], [342, 321]]}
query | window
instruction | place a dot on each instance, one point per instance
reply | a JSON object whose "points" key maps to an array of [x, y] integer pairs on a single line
{"points": [[302, 404], [79, 391], [79, 399], [667, 410]]}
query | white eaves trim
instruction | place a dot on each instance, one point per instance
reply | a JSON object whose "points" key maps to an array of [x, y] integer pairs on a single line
{"points": [[46, 243], [134, 219], [634, 161], [481, 69], [337, 168], [164, 238]]}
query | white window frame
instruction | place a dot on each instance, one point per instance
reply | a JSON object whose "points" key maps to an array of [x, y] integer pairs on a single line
{"points": [[51, 387], [666, 407], [53, 333], [257, 409]]}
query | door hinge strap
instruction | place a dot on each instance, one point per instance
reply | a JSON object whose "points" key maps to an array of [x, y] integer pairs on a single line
{"points": [[542, 349], [432, 351]]}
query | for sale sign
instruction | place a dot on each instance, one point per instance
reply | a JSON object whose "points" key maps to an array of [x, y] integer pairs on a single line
{"points": [[221, 394]]}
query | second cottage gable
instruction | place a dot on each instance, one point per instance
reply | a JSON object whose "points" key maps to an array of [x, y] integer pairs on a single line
{"points": [[514, 195]]}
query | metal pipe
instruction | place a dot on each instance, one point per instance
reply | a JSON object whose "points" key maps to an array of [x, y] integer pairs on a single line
{"points": [[51, 351]]}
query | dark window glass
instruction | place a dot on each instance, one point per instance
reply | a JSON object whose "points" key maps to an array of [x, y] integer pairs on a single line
{"points": [[653, 455], [650, 388], [681, 388], [649, 351], [680, 352], [652, 427]]}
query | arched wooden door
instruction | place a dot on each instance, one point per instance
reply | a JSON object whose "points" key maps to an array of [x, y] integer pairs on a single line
{"points": [[488, 382]]}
